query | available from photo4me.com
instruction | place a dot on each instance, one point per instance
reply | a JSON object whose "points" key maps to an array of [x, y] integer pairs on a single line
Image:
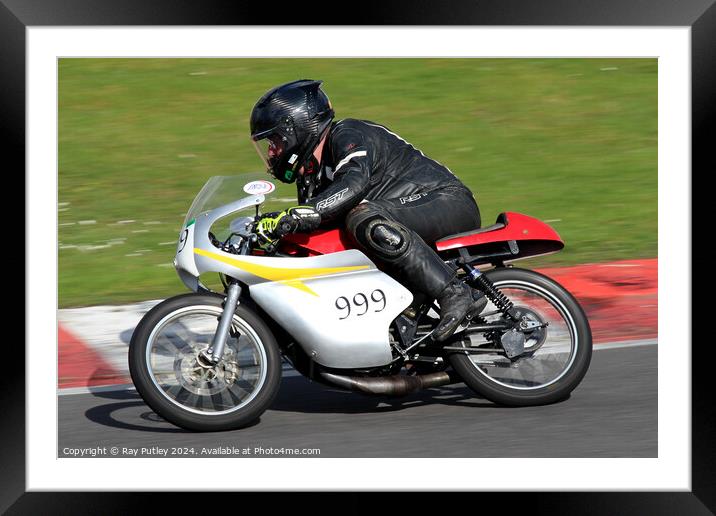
{"points": [[357, 258]]}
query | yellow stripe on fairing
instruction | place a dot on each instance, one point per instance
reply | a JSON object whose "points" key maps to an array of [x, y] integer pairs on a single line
{"points": [[300, 285], [289, 277]]}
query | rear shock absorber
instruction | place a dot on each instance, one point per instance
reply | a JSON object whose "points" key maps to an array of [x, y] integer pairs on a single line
{"points": [[483, 283]]}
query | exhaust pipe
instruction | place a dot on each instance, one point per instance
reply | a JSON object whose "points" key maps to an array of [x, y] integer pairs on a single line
{"points": [[391, 385]]}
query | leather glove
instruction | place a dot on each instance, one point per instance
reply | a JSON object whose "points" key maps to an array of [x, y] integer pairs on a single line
{"points": [[267, 229], [273, 226]]}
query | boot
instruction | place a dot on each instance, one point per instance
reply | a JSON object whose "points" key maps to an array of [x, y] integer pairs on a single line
{"points": [[457, 304], [420, 269]]}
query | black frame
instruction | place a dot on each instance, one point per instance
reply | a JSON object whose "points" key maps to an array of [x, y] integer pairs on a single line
{"points": [[700, 15]]}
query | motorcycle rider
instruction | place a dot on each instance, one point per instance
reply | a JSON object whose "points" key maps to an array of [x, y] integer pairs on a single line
{"points": [[395, 201]]}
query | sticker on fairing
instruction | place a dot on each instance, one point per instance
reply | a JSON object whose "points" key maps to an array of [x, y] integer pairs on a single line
{"points": [[259, 187]]}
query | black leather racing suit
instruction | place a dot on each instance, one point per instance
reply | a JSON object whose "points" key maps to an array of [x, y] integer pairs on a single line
{"points": [[396, 202]]}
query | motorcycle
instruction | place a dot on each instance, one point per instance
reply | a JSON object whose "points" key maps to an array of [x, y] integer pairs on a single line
{"points": [[210, 361]]}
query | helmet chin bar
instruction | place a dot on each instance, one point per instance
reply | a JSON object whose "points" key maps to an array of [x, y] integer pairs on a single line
{"points": [[308, 152]]}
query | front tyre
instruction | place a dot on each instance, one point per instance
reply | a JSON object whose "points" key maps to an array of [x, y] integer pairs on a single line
{"points": [[167, 366], [556, 357]]}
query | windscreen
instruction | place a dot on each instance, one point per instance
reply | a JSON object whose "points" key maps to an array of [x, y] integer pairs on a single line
{"points": [[221, 190]]}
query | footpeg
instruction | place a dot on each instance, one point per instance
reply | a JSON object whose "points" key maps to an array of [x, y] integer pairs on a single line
{"points": [[477, 307]]}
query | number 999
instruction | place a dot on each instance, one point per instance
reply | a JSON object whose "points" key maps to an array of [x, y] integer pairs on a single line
{"points": [[342, 303]]}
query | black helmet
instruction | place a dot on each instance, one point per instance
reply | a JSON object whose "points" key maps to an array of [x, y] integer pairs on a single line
{"points": [[291, 119]]}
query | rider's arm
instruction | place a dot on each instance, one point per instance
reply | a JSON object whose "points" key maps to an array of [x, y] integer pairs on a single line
{"points": [[351, 179], [351, 176]]}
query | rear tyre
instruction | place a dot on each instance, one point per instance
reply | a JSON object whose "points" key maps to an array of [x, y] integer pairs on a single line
{"points": [[167, 369], [562, 353]]}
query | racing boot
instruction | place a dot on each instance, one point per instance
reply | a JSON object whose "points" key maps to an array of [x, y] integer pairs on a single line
{"points": [[458, 302]]}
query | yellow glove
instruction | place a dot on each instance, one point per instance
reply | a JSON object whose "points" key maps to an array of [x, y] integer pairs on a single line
{"points": [[274, 226], [266, 229]]}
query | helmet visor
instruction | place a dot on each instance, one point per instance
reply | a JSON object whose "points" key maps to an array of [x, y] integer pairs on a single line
{"points": [[273, 151], [270, 150]]}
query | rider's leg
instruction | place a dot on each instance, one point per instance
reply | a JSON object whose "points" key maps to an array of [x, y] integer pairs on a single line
{"points": [[437, 214], [419, 267]]}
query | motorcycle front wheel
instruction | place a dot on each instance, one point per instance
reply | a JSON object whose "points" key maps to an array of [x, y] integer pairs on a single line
{"points": [[172, 377], [556, 356]]}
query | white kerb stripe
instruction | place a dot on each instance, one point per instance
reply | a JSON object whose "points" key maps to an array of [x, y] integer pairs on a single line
{"points": [[348, 158]]}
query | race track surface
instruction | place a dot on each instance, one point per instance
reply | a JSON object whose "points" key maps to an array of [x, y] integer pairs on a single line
{"points": [[613, 413]]}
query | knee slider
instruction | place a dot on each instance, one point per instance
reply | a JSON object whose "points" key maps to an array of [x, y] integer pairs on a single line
{"points": [[388, 239]]}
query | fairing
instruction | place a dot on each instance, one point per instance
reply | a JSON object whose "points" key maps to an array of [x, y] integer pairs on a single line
{"points": [[337, 306]]}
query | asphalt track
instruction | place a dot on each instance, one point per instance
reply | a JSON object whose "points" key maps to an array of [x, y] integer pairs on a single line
{"points": [[613, 413]]}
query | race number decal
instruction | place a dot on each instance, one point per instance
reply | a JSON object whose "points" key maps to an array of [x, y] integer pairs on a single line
{"points": [[361, 303], [182, 240], [260, 187]]}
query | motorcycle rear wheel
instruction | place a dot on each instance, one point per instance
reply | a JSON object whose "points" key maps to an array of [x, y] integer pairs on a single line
{"points": [[171, 376], [561, 355]]}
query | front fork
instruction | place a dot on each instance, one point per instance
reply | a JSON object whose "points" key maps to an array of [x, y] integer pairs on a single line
{"points": [[216, 350]]}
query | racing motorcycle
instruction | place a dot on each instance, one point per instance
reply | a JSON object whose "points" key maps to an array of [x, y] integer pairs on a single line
{"points": [[212, 360]]}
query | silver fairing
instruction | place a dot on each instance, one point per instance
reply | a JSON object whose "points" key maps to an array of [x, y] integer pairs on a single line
{"points": [[345, 323], [338, 307]]}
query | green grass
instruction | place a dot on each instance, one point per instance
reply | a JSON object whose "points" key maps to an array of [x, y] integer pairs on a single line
{"points": [[572, 141]]}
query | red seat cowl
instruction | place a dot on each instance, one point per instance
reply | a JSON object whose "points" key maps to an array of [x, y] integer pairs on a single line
{"points": [[517, 227]]}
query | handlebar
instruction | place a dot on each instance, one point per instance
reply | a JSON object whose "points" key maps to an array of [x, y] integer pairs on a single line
{"points": [[247, 239]]}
